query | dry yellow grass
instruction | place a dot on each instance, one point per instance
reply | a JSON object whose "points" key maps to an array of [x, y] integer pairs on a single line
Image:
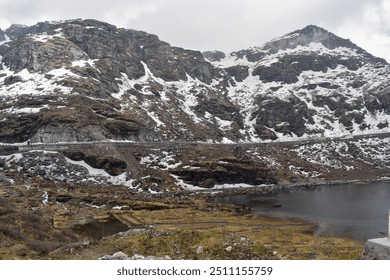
{"points": [[179, 232], [178, 226]]}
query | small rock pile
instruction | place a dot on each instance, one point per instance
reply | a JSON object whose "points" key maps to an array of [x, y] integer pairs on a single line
{"points": [[122, 256], [241, 248]]}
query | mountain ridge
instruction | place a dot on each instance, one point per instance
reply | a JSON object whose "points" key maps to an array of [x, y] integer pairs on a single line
{"points": [[124, 84]]}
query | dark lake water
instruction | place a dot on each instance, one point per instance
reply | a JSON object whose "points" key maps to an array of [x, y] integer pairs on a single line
{"points": [[356, 211]]}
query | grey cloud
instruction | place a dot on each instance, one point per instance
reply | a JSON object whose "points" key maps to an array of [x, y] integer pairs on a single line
{"points": [[199, 24]]}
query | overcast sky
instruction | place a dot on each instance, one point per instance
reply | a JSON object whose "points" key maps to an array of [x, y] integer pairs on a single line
{"points": [[227, 25]]}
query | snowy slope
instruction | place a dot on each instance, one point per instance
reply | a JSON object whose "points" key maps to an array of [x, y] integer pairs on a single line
{"points": [[309, 83], [87, 80]]}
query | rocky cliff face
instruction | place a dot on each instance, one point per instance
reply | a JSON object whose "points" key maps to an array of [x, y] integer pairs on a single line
{"points": [[84, 80]]}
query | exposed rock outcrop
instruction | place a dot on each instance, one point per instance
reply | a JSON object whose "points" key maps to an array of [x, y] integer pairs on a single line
{"points": [[214, 55], [226, 171]]}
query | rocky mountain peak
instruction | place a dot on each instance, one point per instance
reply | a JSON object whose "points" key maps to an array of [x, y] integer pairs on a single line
{"points": [[313, 33], [307, 36], [312, 38], [301, 79], [307, 42], [311, 28]]}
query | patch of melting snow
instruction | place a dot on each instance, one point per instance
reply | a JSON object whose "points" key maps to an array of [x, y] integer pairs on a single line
{"points": [[182, 184], [12, 158], [44, 37], [35, 83], [269, 160], [119, 207], [190, 167], [374, 150], [152, 191], [45, 198], [155, 118], [223, 124], [301, 171], [26, 110], [321, 153], [84, 63], [226, 141], [332, 154], [236, 186], [95, 172], [231, 59], [217, 187], [94, 205], [164, 161], [188, 91], [7, 39]]}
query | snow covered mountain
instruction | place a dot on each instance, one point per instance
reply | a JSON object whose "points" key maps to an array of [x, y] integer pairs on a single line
{"points": [[85, 80], [307, 83]]}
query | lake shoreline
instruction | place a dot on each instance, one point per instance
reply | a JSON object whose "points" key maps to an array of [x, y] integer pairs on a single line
{"points": [[358, 210], [274, 189]]}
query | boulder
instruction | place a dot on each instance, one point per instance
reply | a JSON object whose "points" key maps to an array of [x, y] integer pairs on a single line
{"points": [[120, 256]]}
